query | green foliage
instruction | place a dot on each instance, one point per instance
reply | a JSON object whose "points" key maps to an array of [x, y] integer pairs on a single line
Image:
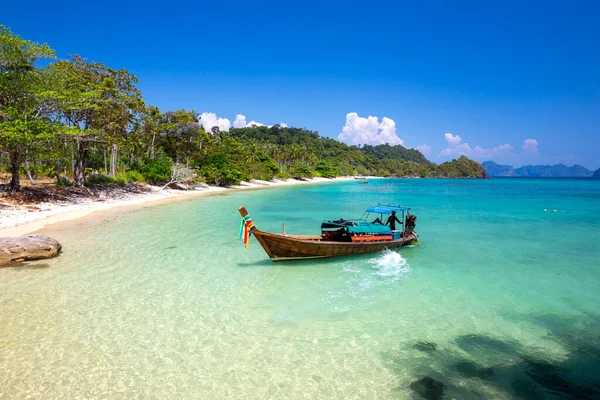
{"points": [[157, 170], [134, 176], [462, 167], [300, 171], [413, 169], [326, 170], [98, 179], [120, 178], [398, 152], [283, 175], [222, 176], [96, 102], [24, 115]]}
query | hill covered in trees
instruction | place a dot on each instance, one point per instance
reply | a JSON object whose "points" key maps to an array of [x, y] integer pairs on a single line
{"points": [[537, 171], [82, 122]]}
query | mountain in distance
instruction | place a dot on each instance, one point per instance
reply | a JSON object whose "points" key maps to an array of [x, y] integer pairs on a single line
{"points": [[493, 169], [537, 171], [596, 174]]}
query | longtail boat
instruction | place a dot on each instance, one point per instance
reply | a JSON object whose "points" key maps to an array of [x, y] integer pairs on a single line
{"points": [[338, 237]]}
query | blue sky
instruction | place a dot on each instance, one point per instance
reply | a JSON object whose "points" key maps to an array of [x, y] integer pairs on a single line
{"points": [[476, 77]]}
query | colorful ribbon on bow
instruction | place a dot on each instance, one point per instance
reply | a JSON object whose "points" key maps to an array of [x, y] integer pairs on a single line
{"points": [[246, 228]]}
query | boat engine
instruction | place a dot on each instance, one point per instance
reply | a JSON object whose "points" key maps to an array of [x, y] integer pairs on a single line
{"points": [[410, 224]]}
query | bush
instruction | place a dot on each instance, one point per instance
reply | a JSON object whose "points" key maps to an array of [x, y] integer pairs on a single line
{"points": [[134, 176], [300, 171], [98, 179], [269, 164], [155, 170], [232, 177], [223, 176], [283, 175], [46, 170], [326, 170]]}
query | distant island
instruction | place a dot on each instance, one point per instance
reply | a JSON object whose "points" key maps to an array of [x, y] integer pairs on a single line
{"points": [[539, 171], [596, 174]]}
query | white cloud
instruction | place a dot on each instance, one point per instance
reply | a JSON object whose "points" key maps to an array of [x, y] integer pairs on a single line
{"points": [[359, 130], [452, 140], [254, 123], [209, 120], [423, 148], [493, 153], [240, 121], [530, 145], [457, 148]]}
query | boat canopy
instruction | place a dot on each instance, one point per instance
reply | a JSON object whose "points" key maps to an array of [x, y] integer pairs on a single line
{"points": [[356, 226], [386, 209]]}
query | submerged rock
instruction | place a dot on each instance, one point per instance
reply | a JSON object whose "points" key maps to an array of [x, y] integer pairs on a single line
{"points": [[26, 248], [472, 370], [425, 346], [428, 388]]}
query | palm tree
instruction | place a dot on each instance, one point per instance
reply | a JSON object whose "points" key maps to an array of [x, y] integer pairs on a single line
{"points": [[253, 149]]}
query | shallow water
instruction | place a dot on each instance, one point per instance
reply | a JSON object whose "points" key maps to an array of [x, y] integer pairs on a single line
{"points": [[499, 301]]}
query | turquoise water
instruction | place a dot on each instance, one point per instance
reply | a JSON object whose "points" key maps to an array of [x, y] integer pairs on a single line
{"points": [[164, 302]]}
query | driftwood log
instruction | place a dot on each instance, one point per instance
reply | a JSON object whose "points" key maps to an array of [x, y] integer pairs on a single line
{"points": [[26, 248]]}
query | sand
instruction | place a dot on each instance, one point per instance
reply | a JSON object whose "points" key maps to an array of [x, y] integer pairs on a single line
{"points": [[17, 221]]}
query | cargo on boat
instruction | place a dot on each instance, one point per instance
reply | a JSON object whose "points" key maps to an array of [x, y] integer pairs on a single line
{"points": [[338, 237]]}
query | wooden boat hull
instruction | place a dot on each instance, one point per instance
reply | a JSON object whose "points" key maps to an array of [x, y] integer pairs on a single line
{"points": [[294, 247]]}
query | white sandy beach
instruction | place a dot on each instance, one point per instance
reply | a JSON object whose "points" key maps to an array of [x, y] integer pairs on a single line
{"points": [[23, 220]]}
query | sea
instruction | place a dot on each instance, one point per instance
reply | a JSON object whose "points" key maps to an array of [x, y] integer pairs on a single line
{"points": [[500, 299]]}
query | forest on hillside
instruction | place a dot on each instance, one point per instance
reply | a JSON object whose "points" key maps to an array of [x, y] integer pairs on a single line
{"points": [[81, 122]]}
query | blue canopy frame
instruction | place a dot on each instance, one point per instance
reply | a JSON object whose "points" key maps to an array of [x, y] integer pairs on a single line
{"points": [[386, 209]]}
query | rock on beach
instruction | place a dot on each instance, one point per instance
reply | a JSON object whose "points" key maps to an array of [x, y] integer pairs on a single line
{"points": [[27, 248]]}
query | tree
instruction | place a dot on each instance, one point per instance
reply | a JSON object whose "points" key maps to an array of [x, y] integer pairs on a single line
{"points": [[95, 103], [253, 149], [183, 137], [23, 112], [300, 171]]}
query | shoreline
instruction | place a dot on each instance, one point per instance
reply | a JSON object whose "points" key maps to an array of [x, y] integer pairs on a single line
{"points": [[19, 221]]}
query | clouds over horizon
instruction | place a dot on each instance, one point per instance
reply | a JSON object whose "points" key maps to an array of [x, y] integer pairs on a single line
{"points": [[359, 131], [456, 148], [504, 153], [530, 145], [209, 120]]}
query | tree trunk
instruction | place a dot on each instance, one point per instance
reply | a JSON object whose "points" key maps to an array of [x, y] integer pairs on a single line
{"points": [[15, 164], [113, 160], [152, 148], [29, 175], [57, 173], [105, 164], [35, 167], [82, 155], [27, 168], [73, 158]]}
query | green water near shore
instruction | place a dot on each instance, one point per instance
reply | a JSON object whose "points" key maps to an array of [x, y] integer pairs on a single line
{"points": [[164, 302]]}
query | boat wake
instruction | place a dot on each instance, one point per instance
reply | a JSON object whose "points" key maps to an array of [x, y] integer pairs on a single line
{"points": [[390, 264]]}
